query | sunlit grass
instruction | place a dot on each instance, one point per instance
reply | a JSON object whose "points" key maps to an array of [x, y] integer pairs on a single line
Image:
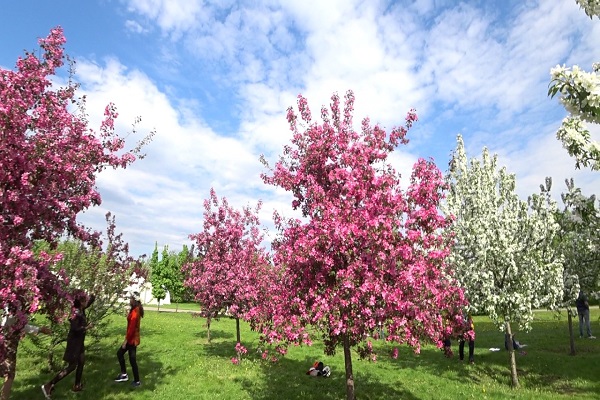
{"points": [[176, 362]]}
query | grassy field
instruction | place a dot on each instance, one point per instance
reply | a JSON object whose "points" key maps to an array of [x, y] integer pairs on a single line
{"points": [[176, 362]]}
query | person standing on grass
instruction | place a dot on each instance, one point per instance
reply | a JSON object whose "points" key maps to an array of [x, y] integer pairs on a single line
{"points": [[132, 340], [467, 335], [75, 351], [583, 310]]}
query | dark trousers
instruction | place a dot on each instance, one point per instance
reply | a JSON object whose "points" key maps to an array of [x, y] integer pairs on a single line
{"points": [[461, 349], [77, 364], [132, 360]]}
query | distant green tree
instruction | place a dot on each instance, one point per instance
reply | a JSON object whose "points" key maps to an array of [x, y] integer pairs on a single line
{"points": [[179, 292], [159, 277]]}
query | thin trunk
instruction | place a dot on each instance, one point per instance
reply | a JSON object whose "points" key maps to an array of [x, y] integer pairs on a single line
{"points": [[571, 335], [513, 361], [158, 304], [208, 329], [348, 365], [237, 329], [9, 365]]}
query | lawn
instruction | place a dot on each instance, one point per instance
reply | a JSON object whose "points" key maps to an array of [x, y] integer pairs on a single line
{"points": [[176, 362]]}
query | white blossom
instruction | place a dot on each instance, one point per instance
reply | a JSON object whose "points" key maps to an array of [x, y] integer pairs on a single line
{"points": [[503, 257], [590, 7]]}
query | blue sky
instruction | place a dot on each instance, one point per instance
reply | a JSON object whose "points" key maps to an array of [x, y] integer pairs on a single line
{"points": [[214, 79]]}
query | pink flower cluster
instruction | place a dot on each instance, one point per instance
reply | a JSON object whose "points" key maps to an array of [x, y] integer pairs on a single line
{"points": [[367, 255]]}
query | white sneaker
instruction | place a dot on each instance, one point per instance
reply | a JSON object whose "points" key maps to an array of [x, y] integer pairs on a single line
{"points": [[46, 392], [591, 337]]}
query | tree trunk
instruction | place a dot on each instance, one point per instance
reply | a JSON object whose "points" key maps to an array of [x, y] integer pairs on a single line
{"points": [[208, 329], [237, 329], [512, 359], [349, 374], [9, 365], [571, 335], [158, 304]]}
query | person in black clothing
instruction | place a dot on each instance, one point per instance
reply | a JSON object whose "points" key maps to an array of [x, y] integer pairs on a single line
{"points": [[75, 351], [583, 310], [467, 335]]}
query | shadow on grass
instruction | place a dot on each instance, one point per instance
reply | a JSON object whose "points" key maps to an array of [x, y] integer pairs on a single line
{"points": [[545, 363], [101, 368], [287, 379], [215, 335]]}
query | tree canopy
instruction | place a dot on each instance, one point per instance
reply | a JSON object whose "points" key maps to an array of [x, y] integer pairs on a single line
{"points": [[367, 254]]}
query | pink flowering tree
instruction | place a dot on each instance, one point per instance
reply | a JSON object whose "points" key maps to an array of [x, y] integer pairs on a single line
{"points": [[367, 255], [49, 160], [231, 272]]}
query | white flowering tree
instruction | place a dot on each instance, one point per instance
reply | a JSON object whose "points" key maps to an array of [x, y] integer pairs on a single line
{"points": [[579, 243], [503, 253], [580, 94], [580, 224]]}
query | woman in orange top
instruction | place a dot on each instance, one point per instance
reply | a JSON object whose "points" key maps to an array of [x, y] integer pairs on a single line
{"points": [[132, 340]]}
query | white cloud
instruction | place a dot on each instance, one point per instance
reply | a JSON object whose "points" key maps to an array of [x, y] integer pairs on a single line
{"points": [[480, 71], [162, 194], [135, 27]]}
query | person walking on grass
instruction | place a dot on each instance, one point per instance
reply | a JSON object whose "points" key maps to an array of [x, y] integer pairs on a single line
{"points": [[132, 341], [75, 351], [583, 310]]}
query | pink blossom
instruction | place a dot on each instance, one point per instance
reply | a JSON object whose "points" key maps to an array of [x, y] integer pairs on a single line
{"points": [[367, 253], [48, 182]]}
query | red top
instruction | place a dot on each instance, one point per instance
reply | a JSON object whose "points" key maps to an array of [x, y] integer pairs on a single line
{"points": [[133, 327]]}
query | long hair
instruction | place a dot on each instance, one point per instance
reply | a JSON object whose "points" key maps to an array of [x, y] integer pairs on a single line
{"points": [[79, 296], [137, 303]]}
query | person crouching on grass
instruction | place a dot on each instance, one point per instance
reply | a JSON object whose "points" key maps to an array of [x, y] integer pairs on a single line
{"points": [[75, 351], [132, 341]]}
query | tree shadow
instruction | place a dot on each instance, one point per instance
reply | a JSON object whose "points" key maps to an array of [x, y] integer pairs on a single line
{"points": [[101, 368], [288, 379], [215, 335], [541, 364]]}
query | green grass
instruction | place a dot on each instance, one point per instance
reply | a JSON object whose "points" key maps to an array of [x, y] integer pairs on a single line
{"points": [[176, 362]]}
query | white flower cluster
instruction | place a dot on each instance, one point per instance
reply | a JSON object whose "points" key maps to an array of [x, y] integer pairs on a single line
{"points": [[576, 140], [579, 91], [580, 94], [590, 7]]}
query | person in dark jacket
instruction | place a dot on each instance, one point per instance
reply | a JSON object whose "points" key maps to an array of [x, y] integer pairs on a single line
{"points": [[75, 351], [469, 336], [583, 310]]}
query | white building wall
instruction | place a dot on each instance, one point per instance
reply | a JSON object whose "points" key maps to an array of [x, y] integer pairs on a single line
{"points": [[145, 289]]}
